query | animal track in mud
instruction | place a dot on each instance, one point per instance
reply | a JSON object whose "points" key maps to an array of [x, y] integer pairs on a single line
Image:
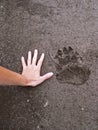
{"points": [[39, 9], [35, 8], [70, 67]]}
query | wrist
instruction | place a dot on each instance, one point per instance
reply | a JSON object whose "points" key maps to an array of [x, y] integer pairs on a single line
{"points": [[25, 80]]}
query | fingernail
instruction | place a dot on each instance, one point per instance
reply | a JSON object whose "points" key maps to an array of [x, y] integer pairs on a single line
{"points": [[43, 54], [51, 73]]}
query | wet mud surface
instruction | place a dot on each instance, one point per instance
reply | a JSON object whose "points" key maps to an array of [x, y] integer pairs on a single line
{"points": [[67, 32]]}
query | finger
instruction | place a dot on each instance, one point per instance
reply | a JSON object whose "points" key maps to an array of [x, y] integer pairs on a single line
{"points": [[29, 58], [35, 57], [46, 76], [40, 61], [23, 62]]}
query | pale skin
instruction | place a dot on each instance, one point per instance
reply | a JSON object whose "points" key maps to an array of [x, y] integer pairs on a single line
{"points": [[30, 75]]}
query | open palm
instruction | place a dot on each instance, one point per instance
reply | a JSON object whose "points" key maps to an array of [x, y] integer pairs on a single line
{"points": [[31, 70]]}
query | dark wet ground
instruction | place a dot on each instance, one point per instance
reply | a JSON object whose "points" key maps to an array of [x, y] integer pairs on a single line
{"points": [[68, 101]]}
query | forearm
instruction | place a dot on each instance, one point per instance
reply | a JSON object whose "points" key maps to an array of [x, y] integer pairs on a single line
{"points": [[8, 77]]}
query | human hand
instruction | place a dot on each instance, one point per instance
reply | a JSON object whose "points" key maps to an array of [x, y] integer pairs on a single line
{"points": [[31, 70]]}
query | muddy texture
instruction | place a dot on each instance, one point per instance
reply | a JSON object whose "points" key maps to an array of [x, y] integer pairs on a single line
{"points": [[67, 32]]}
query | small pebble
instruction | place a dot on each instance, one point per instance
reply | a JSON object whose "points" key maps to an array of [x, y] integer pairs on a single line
{"points": [[82, 109], [1, 6], [28, 100], [38, 127], [46, 104]]}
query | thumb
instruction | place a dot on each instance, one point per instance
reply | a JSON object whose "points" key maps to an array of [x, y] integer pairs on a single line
{"points": [[46, 76], [42, 79]]}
